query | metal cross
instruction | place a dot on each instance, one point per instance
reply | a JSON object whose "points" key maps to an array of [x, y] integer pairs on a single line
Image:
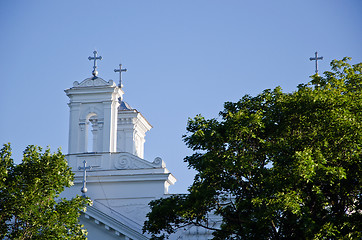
{"points": [[85, 168], [316, 58], [120, 70], [95, 58]]}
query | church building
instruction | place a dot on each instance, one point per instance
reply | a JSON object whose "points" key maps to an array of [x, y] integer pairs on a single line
{"points": [[106, 153]]}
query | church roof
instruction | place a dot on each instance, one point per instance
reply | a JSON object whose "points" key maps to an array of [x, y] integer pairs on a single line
{"points": [[115, 221], [124, 106]]}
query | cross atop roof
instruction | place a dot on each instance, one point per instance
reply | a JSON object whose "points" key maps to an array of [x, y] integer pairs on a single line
{"points": [[95, 58], [84, 168], [120, 70], [316, 58]]}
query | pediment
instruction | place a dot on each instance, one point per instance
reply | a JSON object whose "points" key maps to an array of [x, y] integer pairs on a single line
{"points": [[128, 161], [94, 82]]}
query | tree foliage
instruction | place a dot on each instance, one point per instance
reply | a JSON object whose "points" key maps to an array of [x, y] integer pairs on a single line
{"points": [[29, 208], [276, 166]]}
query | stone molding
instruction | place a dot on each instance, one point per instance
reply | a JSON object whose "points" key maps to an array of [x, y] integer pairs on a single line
{"points": [[94, 82]]}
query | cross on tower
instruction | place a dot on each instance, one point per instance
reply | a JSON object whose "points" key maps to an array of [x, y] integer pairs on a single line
{"points": [[95, 58], [84, 168], [316, 58], [120, 70]]}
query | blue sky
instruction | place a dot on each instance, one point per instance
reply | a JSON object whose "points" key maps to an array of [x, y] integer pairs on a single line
{"points": [[183, 58]]}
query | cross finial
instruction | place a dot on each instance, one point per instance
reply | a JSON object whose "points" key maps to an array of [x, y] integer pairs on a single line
{"points": [[95, 58], [316, 58], [120, 70], [84, 168]]}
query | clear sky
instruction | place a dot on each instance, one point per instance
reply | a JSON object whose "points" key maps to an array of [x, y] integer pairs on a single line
{"points": [[183, 58]]}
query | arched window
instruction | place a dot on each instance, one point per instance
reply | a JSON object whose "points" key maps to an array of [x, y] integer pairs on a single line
{"points": [[92, 132]]}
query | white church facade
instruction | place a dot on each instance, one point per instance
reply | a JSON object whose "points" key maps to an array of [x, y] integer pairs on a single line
{"points": [[106, 153]]}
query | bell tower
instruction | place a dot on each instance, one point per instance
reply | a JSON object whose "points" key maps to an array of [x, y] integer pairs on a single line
{"points": [[93, 116], [100, 121], [106, 150], [131, 130], [108, 134]]}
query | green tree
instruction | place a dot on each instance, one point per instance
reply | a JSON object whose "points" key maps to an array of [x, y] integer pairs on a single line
{"points": [[29, 204], [276, 166]]}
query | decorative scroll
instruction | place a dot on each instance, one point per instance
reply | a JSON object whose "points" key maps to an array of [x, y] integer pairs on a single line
{"points": [[129, 161]]}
